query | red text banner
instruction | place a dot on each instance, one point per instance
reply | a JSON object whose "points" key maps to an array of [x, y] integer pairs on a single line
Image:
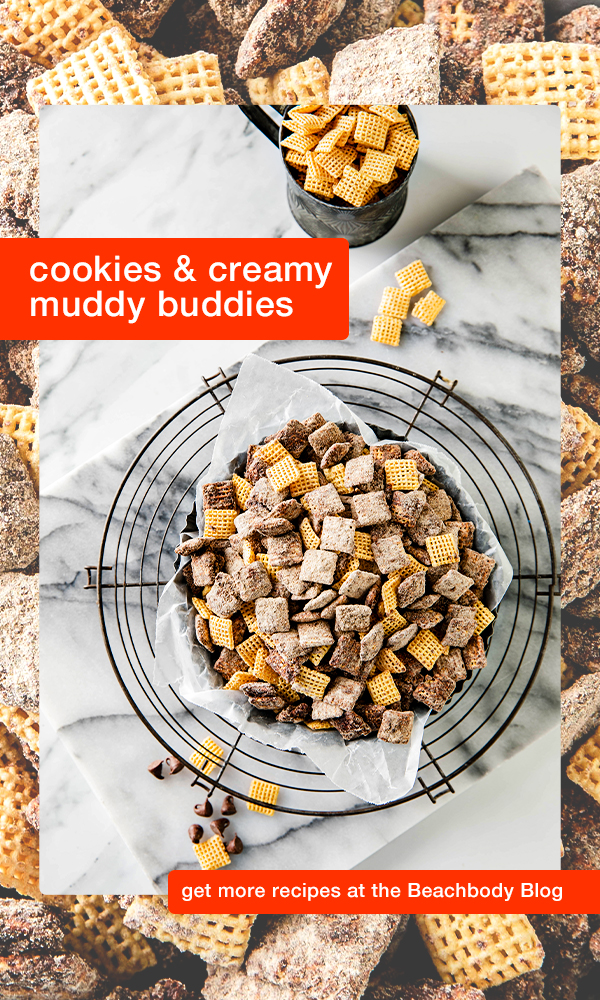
{"points": [[198, 891], [201, 289]]}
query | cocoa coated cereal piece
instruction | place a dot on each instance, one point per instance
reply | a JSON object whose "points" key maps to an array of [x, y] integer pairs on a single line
{"points": [[247, 522], [529, 986], [322, 599], [256, 467], [402, 638], [285, 550], [253, 581], [335, 454], [440, 503], [452, 665], [324, 437], [359, 471], [235, 15], [324, 711], [346, 656], [460, 625], [580, 234], [411, 589], [580, 829], [203, 633], [434, 691], [323, 501], [191, 546], [290, 509], [370, 508], [396, 727], [219, 496], [473, 654], [29, 926], [408, 507], [400, 66], [582, 646], [262, 494], [429, 524], [204, 569], [372, 642], [229, 663], [48, 977], [344, 693], [338, 534], [357, 583], [314, 634], [477, 566], [565, 938], [15, 70], [360, 19], [466, 533], [572, 360], [19, 167], [423, 464], [351, 726], [289, 577], [19, 657], [587, 607], [424, 619], [318, 566], [272, 614], [389, 554], [373, 595], [282, 32], [580, 710], [32, 811], [426, 602], [453, 584], [223, 598], [352, 618], [329, 611], [19, 532], [12, 227], [584, 392], [296, 713], [595, 946], [313, 423], [293, 437], [580, 542], [306, 616], [579, 25], [571, 441]]}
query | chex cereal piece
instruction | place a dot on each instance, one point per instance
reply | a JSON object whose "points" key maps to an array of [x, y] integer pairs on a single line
{"points": [[272, 452], [386, 660], [221, 631], [248, 553], [25, 726], [265, 792], [47, 32], [442, 549], [560, 73], [187, 79], [362, 545], [382, 688], [212, 854], [413, 278], [207, 756], [428, 308], [393, 622], [394, 303], [310, 539], [94, 929], [301, 143], [335, 161], [21, 424], [242, 490], [283, 473], [386, 330], [295, 83], [378, 166], [426, 648], [311, 682], [403, 147], [317, 655], [107, 71], [19, 850], [485, 949], [371, 130], [335, 475], [201, 607], [318, 181], [249, 648], [219, 523], [352, 186], [401, 474], [296, 159], [389, 596], [584, 766], [308, 479], [239, 678], [389, 112], [483, 617], [319, 724]]}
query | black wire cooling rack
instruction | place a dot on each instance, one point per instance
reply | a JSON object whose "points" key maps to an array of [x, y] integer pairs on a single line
{"points": [[150, 509]]}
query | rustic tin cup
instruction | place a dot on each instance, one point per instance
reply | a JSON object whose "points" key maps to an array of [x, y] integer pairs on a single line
{"points": [[320, 219]]}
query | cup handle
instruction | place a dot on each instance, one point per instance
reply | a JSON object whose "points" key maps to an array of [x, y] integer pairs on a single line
{"points": [[262, 121]]}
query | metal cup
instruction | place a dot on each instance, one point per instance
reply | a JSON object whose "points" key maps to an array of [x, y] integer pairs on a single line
{"points": [[317, 217]]}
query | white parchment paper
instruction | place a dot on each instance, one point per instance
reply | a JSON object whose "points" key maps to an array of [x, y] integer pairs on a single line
{"points": [[265, 397]]}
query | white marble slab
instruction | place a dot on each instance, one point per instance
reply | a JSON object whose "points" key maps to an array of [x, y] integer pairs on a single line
{"points": [[492, 358]]}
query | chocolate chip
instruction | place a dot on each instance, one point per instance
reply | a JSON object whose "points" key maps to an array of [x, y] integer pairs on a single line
{"points": [[195, 833], [228, 807], [175, 765], [219, 825], [204, 809], [155, 768], [234, 846]]}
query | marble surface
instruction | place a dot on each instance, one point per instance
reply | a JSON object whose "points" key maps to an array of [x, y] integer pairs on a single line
{"points": [[510, 819]]}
